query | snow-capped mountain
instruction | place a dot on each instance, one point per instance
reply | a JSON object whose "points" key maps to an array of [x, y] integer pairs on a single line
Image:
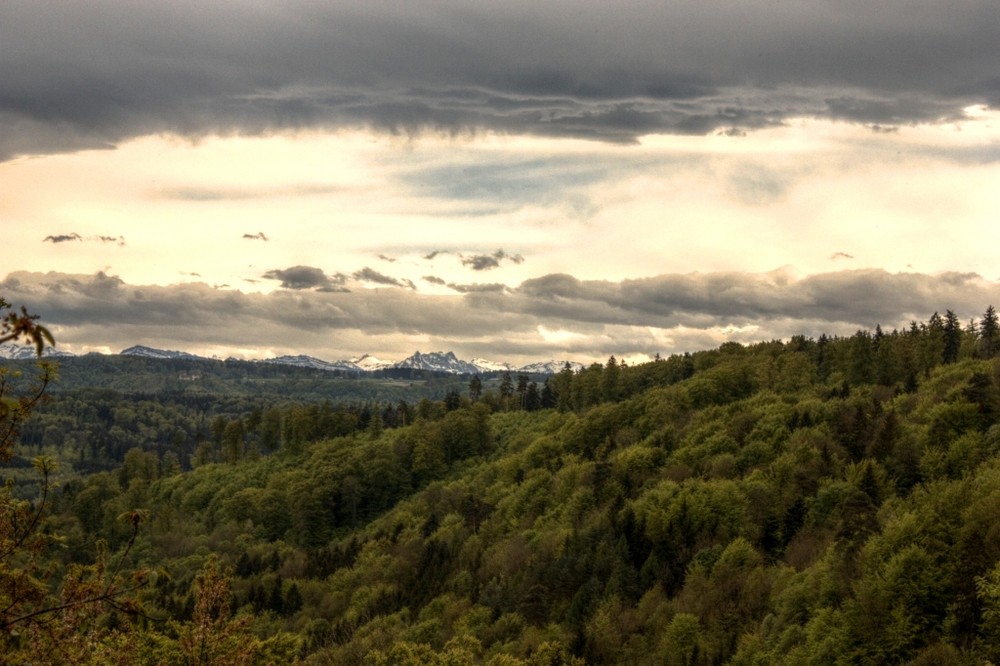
{"points": [[302, 361], [438, 362], [491, 366], [27, 352], [549, 367], [431, 361], [149, 352], [368, 363]]}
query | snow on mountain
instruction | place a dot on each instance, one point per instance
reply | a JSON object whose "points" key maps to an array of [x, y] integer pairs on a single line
{"points": [[549, 367], [491, 366], [438, 362], [27, 352], [433, 361], [369, 363], [303, 361], [149, 352]]}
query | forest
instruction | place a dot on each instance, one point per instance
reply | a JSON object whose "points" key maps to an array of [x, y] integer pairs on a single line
{"points": [[807, 501]]}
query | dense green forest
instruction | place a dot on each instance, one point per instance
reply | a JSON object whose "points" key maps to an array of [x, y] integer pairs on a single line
{"points": [[810, 501]]}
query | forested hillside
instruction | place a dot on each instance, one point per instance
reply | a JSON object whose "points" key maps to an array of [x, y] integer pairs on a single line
{"points": [[812, 501]]}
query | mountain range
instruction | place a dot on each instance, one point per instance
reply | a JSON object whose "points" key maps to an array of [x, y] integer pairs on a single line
{"points": [[445, 362]]}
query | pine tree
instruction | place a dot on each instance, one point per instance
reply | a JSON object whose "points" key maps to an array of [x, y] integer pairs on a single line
{"points": [[989, 333], [506, 389], [952, 337], [475, 388]]}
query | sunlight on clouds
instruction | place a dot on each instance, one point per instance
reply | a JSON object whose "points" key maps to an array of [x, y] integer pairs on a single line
{"points": [[559, 336], [795, 194]]}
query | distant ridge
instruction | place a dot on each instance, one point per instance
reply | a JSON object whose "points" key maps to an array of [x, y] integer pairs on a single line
{"points": [[302, 361], [27, 352], [444, 362], [149, 352], [550, 367]]}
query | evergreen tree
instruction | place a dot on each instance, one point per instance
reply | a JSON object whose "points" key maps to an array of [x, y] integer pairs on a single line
{"points": [[989, 333], [952, 337], [452, 400], [610, 380], [522, 389], [276, 600], [506, 389], [548, 396], [293, 600], [475, 388], [532, 399]]}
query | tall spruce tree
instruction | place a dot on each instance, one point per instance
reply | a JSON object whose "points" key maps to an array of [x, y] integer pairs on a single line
{"points": [[952, 337], [989, 333]]}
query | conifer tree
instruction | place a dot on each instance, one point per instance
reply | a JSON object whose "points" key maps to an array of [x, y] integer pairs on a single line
{"points": [[475, 388], [989, 333], [952, 337]]}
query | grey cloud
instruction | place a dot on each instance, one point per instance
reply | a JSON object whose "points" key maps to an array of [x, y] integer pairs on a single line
{"points": [[102, 310], [371, 275], [211, 194], [384, 257], [485, 262], [112, 69], [478, 288], [481, 262], [257, 236], [840, 255], [666, 313], [757, 185], [860, 298], [433, 279], [508, 184], [306, 277], [433, 255], [62, 238]]}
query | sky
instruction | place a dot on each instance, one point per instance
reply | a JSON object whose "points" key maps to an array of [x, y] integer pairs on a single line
{"points": [[516, 181]]}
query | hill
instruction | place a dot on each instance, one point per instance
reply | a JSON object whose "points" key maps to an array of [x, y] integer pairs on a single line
{"points": [[808, 501]]}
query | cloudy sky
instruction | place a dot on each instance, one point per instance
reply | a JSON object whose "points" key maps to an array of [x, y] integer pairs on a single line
{"points": [[511, 180]]}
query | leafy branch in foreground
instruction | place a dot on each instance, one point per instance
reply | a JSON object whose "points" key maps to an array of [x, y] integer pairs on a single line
{"points": [[32, 618], [28, 611], [15, 406]]}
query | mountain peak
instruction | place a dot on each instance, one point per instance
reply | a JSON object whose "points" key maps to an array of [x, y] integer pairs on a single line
{"points": [[16, 352], [438, 362]]}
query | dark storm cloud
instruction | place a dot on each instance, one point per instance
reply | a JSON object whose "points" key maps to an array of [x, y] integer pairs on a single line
{"points": [[306, 277], [77, 75]]}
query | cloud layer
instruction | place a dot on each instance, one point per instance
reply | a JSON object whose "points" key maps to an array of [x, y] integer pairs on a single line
{"points": [[90, 74], [554, 315]]}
